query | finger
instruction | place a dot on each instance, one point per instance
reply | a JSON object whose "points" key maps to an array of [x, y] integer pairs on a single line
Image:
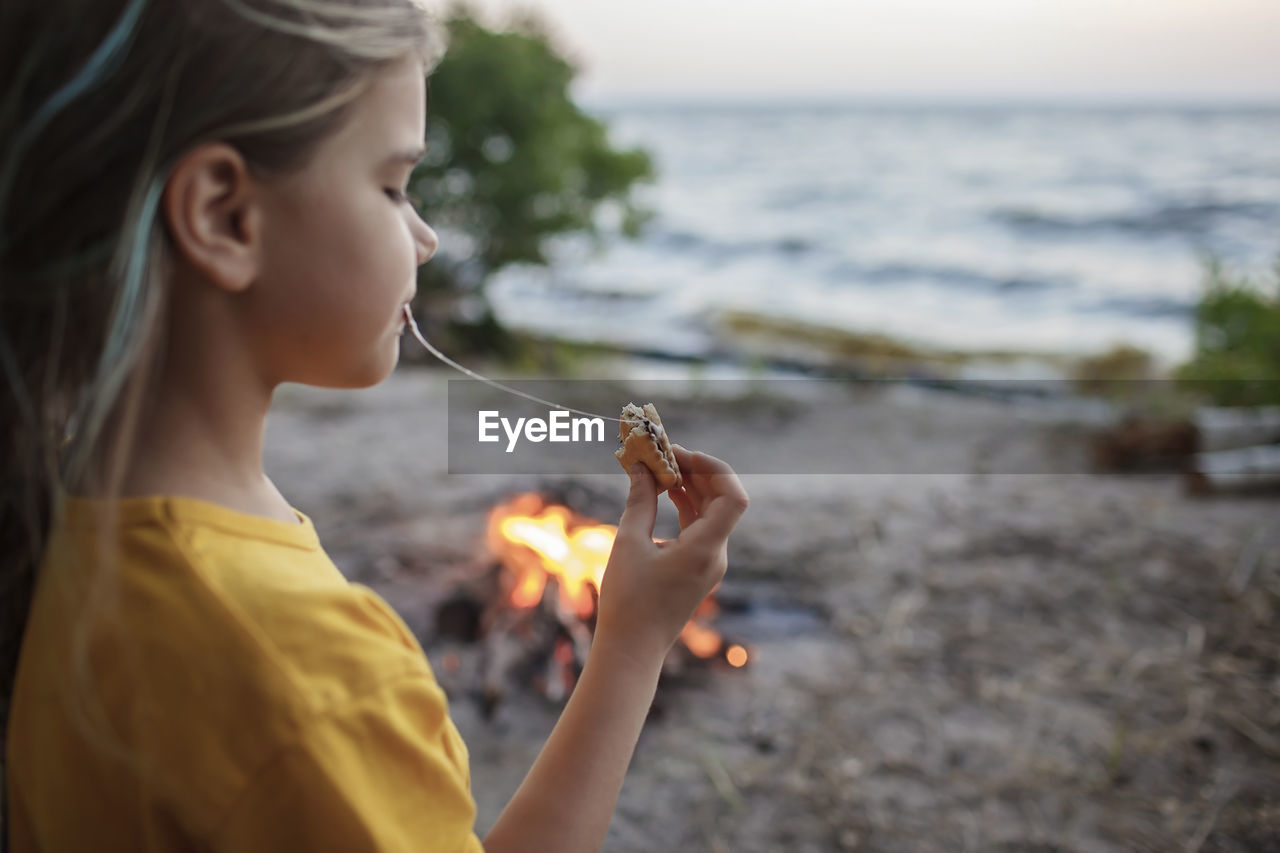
{"points": [[727, 499], [641, 511], [682, 456], [688, 515], [711, 477], [725, 509], [685, 460], [697, 500], [698, 463], [716, 522]]}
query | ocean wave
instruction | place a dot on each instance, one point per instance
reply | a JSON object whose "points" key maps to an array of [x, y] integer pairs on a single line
{"points": [[1177, 218], [949, 276], [800, 197], [566, 288], [689, 242], [1147, 307], [993, 228]]}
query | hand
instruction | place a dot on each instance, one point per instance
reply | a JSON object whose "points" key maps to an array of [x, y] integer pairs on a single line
{"points": [[650, 589]]}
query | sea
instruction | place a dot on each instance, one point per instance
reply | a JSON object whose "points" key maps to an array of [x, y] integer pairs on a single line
{"points": [[1055, 229]]}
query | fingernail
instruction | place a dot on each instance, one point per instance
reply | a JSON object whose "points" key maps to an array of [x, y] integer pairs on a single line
{"points": [[636, 471]]}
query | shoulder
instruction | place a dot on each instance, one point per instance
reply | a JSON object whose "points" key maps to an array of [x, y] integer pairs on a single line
{"points": [[236, 661], [265, 595], [218, 618]]}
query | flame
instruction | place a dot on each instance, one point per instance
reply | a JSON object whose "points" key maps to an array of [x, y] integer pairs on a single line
{"points": [[701, 640], [538, 541]]}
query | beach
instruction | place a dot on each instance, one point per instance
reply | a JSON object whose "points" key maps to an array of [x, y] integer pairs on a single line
{"points": [[960, 638]]}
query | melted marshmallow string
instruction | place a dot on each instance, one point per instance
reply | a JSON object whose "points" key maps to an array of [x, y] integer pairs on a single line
{"points": [[413, 325]]}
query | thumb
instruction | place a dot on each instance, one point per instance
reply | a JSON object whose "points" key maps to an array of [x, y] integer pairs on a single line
{"points": [[642, 505]]}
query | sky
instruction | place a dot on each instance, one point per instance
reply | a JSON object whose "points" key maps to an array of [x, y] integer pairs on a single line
{"points": [[1093, 50]]}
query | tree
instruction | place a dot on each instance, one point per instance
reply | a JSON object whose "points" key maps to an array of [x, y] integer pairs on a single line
{"points": [[1237, 350], [511, 161]]}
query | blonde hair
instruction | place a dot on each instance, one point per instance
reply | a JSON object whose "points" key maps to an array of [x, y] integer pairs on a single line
{"points": [[93, 117]]}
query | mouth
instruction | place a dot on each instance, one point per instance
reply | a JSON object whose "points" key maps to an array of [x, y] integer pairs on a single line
{"points": [[406, 319]]}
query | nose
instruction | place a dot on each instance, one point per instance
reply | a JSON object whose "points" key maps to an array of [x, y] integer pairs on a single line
{"points": [[424, 239]]}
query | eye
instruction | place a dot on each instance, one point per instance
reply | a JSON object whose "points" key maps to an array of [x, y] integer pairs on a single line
{"points": [[404, 197]]}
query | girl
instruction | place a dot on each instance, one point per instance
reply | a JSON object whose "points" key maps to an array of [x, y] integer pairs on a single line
{"points": [[200, 200]]}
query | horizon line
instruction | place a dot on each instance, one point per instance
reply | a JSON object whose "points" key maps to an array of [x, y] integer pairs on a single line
{"points": [[1041, 100]]}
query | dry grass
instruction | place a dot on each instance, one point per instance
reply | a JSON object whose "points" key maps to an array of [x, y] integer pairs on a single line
{"points": [[1016, 668], [1011, 663]]}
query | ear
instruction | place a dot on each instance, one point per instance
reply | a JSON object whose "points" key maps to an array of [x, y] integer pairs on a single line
{"points": [[212, 213]]}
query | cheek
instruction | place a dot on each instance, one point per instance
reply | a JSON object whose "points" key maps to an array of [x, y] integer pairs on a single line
{"points": [[406, 247], [361, 255], [345, 260], [377, 249]]}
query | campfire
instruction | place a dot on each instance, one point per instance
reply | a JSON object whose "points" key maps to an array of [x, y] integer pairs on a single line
{"points": [[537, 620]]}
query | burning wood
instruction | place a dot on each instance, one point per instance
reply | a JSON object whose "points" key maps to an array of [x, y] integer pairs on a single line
{"points": [[537, 542], [538, 622]]}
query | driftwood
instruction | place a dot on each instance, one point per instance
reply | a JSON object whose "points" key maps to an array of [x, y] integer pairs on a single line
{"points": [[1243, 469], [1146, 444], [1227, 429], [1139, 443]]}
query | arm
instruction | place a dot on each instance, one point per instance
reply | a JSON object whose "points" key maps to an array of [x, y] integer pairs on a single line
{"points": [[567, 800], [649, 591]]}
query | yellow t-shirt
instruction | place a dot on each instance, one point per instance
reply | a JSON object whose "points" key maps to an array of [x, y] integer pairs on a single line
{"points": [[263, 701]]}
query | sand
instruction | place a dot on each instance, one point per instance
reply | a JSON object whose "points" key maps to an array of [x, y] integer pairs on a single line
{"points": [[961, 640]]}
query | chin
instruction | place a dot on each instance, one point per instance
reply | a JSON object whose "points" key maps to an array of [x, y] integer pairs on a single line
{"points": [[351, 370], [379, 369], [372, 372], [391, 361]]}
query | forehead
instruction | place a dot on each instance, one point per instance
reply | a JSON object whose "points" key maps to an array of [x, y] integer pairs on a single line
{"points": [[389, 116]]}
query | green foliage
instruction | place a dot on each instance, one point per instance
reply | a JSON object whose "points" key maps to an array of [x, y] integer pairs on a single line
{"points": [[511, 161], [1237, 348]]}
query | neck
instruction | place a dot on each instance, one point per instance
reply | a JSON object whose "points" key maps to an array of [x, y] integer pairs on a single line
{"points": [[201, 429], [201, 439]]}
